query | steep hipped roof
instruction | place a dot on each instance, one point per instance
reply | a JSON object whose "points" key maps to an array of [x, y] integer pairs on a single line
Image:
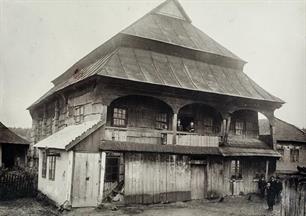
{"points": [[168, 24], [161, 25], [9, 137], [283, 131]]}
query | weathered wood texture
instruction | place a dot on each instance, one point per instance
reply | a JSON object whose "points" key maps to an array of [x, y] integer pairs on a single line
{"points": [[86, 178], [151, 136], [219, 176], [198, 181], [91, 143], [293, 198], [154, 178]]}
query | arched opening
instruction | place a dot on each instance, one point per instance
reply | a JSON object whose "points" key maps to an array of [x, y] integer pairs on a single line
{"points": [[244, 124], [199, 118], [139, 112]]}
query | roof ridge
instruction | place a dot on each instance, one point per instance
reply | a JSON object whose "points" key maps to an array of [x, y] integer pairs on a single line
{"points": [[292, 125]]}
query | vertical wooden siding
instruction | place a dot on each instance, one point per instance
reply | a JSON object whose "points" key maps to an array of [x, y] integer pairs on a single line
{"points": [[294, 198], [154, 178]]}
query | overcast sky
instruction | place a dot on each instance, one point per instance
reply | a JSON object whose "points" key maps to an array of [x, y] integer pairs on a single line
{"points": [[39, 40]]}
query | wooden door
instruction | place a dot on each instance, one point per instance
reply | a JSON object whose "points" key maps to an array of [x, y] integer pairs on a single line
{"points": [[85, 184], [198, 181]]}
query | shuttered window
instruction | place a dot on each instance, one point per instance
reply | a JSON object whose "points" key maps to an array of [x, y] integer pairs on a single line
{"points": [[119, 117], [52, 165], [44, 165], [161, 121]]}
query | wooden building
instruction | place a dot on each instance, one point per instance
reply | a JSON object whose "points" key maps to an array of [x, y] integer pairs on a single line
{"points": [[13, 149], [290, 143], [294, 194], [160, 112]]}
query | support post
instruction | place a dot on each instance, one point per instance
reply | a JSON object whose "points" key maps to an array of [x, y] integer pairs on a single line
{"points": [[0, 155], [70, 172], [267, 170], [174, 128], [227, 128], [102, 174]]}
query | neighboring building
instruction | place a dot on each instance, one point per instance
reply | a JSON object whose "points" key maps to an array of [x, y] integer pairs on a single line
{"points": [[291, 144], [160, 111], [13, 149]]}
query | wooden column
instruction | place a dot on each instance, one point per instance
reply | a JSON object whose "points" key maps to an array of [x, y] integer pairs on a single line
{"points": [[70, 176], [102, 174], [267, 170], [0, 155], [174, 128], [227, 128]]}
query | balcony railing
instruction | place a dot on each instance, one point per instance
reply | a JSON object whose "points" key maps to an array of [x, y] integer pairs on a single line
{"points": [[151, 136]]}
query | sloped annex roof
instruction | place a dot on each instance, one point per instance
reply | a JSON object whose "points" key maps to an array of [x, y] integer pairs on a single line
{"points": [[284, 131], [9, 137], [70, 135], [168, 23]]}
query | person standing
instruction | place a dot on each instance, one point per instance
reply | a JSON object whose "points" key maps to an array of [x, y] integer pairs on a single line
{"points": [[271, 192], [262, 186], [279, 189]]}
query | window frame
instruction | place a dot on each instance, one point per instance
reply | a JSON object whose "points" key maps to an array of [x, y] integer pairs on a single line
{"points": [[123, 117], [52, 167], [78, 113], [236, 169], [161, 119], [294, 155], [44, 165]]}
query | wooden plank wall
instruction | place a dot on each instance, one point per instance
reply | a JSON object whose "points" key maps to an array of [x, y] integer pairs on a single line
{"points": [[155, 178], [219, 176], [294, 198]]}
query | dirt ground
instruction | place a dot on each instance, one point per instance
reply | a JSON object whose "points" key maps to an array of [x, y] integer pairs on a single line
{"points": [[231, 206]]}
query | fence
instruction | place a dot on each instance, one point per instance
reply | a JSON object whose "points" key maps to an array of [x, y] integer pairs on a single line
{"points": [[17, 184], [294, 196]]}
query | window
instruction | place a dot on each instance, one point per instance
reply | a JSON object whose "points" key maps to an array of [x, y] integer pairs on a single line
{"points": [[208, 126], [79, 114], [161, 121], [239, 128], [281, 151], [52, 164], [236, 172], [294, 155], [112, 169], [252, 129], [119, 117], [44, 165]]}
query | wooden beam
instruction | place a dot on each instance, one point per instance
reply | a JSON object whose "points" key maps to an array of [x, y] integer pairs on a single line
{"points": [[0, 155], [227, 128], [102, 174], [267, 170], [174, 128], [70, 176]]}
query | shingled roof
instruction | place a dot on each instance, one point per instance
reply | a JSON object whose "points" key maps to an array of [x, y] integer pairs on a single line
{"points": [[284, 131], [170, 25], [9, 137]]}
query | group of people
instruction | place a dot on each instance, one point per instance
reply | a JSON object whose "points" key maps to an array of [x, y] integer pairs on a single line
{"points": [[271, 189]]}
